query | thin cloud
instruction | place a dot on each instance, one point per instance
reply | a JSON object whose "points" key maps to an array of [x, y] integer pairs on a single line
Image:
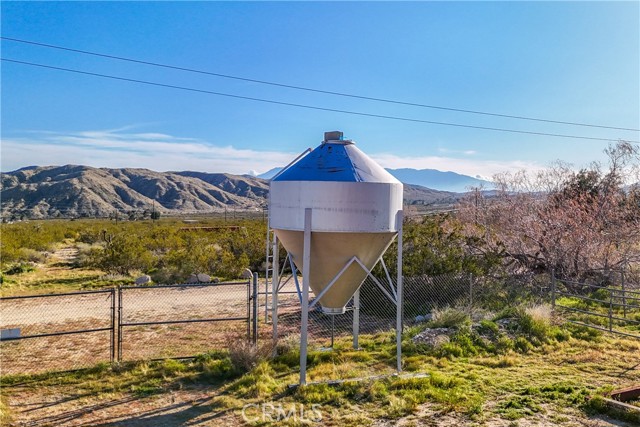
{"points": [[116, 148], [465, 152]]}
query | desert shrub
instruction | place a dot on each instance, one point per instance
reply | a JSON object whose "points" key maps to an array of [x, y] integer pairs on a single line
{"points": [[504, 344], [245, 355], [487, 327], [535, 321], [449, 317], [215, 366], [122, 253], [522, 345]]}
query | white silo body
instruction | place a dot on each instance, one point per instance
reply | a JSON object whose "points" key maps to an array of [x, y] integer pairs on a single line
{"points": [[354, 202]]}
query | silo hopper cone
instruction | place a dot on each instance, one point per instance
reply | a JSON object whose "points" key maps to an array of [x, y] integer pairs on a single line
{"points": [[330, 252]]}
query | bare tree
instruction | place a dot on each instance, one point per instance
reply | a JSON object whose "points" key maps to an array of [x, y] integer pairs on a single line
{"points": [[556, 218]]}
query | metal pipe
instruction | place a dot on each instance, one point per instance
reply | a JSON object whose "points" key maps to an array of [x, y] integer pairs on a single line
{"points": [[120, 331], [53, 334], [376, 281], [294, 270], [306, 274], [113, 325], [399, 219], [255, 308], [275, 280], [356, 318], [248, 284], [171, 322], [386, 272]]}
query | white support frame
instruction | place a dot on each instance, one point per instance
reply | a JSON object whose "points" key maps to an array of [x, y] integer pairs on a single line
{"points": [[303, 293], [306, 275]]}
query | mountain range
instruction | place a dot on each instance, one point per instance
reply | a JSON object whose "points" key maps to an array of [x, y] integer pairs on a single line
{"points": [[429, 178], [76, 191]]}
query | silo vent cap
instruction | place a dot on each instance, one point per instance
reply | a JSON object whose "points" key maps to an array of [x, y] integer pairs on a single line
{"points": [[335, 136]]}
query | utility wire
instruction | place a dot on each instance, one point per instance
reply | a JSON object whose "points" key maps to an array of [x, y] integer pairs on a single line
{"points": [[310, 107], [328, 92]]}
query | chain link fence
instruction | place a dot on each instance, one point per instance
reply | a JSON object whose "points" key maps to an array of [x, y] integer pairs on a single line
{"points": [[76, 330], [611, 303], [57, 332], [422, 295], [180, 320]]}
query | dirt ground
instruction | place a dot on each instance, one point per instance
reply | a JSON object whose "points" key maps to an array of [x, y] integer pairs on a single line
{"points": [[197, 407]]}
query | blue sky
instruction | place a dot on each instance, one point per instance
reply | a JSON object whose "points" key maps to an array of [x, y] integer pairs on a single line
{"points": [[573, 61]]}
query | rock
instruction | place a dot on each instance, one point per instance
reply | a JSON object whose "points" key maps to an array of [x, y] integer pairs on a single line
{"points": [[247, 274], [143, 280], [428, 317], [419, 319], [203, 278], [433, 337], [193, 278]]}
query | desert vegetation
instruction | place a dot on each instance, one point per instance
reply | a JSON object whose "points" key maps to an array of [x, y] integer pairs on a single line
{"points": [[168, 250], [517, 365], [506, 358]]}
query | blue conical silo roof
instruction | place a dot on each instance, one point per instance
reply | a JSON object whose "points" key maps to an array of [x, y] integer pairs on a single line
{"points": [[339, 161]]}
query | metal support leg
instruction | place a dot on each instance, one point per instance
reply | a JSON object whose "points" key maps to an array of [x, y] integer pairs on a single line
{"points": [[306, 269], [274, 287], [255, 308], [356, 319], [399, 302]]}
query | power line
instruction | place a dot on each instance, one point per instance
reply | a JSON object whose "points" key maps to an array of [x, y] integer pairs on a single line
{"points": [[327, 92], [310, 107]]}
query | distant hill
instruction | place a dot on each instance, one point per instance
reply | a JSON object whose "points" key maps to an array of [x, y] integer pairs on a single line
{"points": [[71, 190], [77, 191], [429, 178]]}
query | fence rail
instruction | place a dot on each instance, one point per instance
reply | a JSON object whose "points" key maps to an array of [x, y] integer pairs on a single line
{"points": [[607, 308], [73, 330]]}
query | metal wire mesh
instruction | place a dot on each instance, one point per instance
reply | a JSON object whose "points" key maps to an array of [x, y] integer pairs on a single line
{"points": [[75, 330], [422, 295], [181, 320], [56, 332]]}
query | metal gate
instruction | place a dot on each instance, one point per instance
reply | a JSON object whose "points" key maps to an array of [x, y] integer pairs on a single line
{"points": [[156, 322], [74, 330], [57, 331]]}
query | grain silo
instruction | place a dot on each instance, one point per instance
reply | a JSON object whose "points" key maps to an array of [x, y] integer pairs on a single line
{"points": [[354, 202], [335, 211]]}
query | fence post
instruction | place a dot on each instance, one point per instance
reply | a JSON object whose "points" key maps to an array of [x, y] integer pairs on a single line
{"points": [[249, 280], [113, 324], [624, 295], [266, 299], [610, 310], [119, 346], [255, 308]]}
